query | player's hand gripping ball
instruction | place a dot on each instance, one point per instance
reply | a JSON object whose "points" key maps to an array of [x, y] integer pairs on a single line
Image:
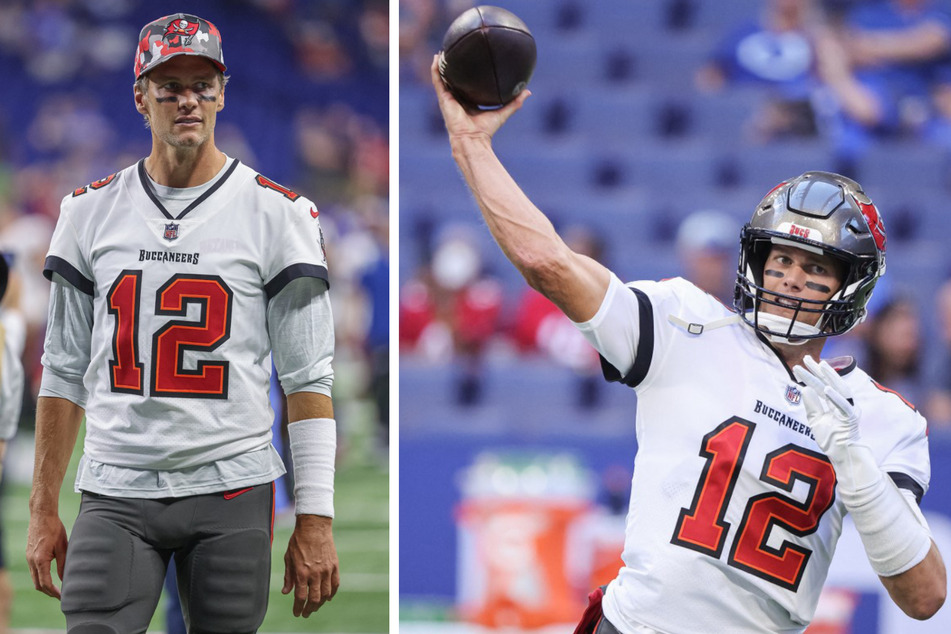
{"points": [[488, 55]]}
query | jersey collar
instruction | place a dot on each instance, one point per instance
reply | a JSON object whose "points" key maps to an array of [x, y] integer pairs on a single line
{"points": [[147, 186]]}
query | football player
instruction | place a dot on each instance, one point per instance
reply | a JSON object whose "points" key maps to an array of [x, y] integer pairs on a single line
{"points": [[173, 283], [12, 342], [751, 449]]}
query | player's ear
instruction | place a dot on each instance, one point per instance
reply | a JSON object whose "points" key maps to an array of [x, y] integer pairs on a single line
{"points": [[139, 97], [221, 100]]}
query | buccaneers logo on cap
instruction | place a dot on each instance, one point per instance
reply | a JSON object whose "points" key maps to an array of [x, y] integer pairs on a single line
{"points": [[180, 29]]}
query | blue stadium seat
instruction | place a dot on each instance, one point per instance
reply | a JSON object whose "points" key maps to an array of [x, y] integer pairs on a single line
{"points": [[418, 109], [723, 117], [559, 169], [615, 20], [616, 118], [578, 56], [668, 62], [538, 396], [765, 166], [539, 17], [906, 164], [671, 166], [720, 17]]}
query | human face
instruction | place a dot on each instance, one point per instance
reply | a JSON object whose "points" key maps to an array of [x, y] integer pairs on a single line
{"points": [[801, 274], [182, 100]]}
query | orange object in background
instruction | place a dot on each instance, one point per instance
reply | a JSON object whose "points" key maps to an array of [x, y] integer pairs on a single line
{"points": [[516, 573], [519, 524], [834, 612], [606, 558]]}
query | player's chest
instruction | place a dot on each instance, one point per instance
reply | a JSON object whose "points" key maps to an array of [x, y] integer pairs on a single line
{"points": [[757, 494], [152, 253]]}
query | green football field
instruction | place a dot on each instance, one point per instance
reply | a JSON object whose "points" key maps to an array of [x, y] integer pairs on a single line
{"points": [[361, 533]]}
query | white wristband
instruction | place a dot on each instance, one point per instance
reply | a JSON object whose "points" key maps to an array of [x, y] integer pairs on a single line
{"points": [[313, 443]]}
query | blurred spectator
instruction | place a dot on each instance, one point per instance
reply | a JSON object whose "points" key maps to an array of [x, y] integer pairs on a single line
{"points": [[882, 63], [12, 335], [775, 52], [892, 348], [417, 19], [706, 245], [343, 155], [423, 24], [938, 406], [539, 327], [373, 274], [451, 309]]}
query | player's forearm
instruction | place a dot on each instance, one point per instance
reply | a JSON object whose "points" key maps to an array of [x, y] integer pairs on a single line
{"points": [[922, 43], [920, 591], [524, 233], [57, 426], [303, 405], [576, 284], [834, 69], [313, 443]]}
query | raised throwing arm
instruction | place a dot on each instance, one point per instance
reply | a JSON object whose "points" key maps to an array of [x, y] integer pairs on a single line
{"points": [[574, 282]]}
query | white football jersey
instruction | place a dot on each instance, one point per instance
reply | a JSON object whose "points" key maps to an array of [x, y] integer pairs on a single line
{"points": [[734, 516], [180, 355], [12, 341]]}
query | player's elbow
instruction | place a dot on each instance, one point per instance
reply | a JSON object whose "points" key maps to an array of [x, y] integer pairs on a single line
{"points": [[543, 271], [926, 603]]}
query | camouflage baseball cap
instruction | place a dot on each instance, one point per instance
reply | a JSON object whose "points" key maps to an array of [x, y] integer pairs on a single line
{"points": [[178, 34]]}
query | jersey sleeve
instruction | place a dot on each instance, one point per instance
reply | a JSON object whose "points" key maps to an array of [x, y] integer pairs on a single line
{"points": [[66, 351], [615, 329], [65, 256], [300, 325], [296, 246], [896, 433], [631, 329], [909, 463]]}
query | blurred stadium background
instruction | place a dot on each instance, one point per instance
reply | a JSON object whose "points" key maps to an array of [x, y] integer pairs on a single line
{"points": [[515, 458], [307, 106]]}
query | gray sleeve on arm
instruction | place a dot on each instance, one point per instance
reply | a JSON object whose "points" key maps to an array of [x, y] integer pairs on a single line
{"points": [[68, 340], [300, 325]]}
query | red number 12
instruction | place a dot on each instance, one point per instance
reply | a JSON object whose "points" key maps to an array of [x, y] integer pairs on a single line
{"points": [[703, 529], [169, 344]]}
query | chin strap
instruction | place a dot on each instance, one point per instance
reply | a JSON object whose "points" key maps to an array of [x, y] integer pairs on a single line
{"points": [[776, 324]]}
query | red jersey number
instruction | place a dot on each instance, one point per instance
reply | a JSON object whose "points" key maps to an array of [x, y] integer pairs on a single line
{"points": [[169, 376], [703, 529]]}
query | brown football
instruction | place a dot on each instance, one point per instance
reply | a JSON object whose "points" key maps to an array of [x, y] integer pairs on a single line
{"points": [[488, 56]]}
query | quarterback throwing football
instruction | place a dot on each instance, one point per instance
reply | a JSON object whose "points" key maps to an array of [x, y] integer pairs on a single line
{"points": [[173, 283], [751, 450]]}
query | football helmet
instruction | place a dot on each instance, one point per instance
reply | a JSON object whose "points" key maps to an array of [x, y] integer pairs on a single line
{"points": [[820, 212]]}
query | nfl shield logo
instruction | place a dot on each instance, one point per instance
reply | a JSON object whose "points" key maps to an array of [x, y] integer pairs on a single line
{"points": [[171, 231], [793, 395]]}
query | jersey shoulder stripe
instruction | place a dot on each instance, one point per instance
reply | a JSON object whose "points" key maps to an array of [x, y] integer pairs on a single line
{"points": [[905, 481], [69, 272], [293, 272], [645, 346], [891, 391]]}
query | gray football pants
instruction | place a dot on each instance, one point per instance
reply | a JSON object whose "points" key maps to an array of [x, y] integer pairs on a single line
{"points": [[119, 550]]}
